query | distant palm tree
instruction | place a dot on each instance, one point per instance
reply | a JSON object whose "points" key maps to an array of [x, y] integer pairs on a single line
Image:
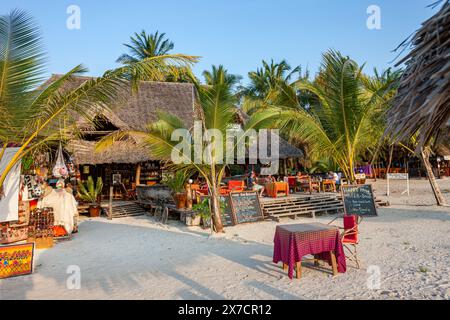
{"points": [[143, 46], [146, 46], [267, 77], [265, 80], [31, 110], [220, 76]]}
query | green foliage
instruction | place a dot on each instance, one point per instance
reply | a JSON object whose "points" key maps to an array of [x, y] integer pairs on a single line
{"points": [[204, 210], [89, 191], [144, 46], [324, 165], [177, 182], [338, 115]]}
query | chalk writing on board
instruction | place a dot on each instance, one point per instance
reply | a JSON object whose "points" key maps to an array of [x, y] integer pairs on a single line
{"points": [[246, 207], [359, 200]]}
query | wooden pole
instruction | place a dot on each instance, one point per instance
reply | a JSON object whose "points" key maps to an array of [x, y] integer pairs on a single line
{"points": [[424, 153], [111, 193], [138, 174]]}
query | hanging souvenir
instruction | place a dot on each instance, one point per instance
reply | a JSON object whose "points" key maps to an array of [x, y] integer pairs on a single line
{"points": [[60, 169]]}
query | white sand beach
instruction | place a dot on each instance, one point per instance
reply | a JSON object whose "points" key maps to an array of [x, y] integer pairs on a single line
{"points": [[137, 258]]}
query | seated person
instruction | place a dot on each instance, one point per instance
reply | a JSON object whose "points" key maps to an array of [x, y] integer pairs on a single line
{"points": [[252, 183]]}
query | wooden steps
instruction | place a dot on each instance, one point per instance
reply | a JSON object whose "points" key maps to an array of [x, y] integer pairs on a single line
{"points": [[293, 206], [129, 209]]}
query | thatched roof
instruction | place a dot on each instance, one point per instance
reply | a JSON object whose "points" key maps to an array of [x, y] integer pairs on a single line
{"points": [[138, 109], [120, 152], [423, 101], [135, 111]]}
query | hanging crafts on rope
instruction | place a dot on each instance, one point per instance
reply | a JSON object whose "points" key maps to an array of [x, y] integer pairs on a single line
{"points": [[60, 168]]}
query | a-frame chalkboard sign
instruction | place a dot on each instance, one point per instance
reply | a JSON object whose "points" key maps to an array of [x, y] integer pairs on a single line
{"points": [[359, 200]]}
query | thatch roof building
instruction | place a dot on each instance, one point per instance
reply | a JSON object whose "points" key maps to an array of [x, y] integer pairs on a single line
{"points": [[134, 112], [423, 102]]}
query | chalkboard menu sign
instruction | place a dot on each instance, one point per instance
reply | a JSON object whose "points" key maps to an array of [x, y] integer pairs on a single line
{"points": [[227, 211], [246, 207], [359, 200]]}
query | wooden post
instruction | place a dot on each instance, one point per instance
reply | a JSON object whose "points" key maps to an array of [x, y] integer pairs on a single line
{"points": [[110, 209], [189, 198], [424, 153], [138, 174]]}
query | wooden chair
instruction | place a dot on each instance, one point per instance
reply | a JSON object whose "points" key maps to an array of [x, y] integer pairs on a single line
{"points": [[329, 185], [308, 185], [349, 237]]}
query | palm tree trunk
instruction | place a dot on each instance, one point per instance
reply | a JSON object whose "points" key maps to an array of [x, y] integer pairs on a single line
{"points": [[215, 210], [425, 153]]}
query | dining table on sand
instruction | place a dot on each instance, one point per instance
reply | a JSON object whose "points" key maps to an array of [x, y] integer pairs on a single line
{"points": [[294, 241]]}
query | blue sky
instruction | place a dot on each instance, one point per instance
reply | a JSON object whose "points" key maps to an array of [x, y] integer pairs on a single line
{"points": [[235, 33]]}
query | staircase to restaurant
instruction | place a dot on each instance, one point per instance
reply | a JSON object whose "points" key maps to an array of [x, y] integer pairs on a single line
{"points": [[127, 209], [294, 206]]}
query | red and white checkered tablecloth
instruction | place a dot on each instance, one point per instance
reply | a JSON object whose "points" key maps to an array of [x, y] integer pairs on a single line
{"points": [[294, 241]]}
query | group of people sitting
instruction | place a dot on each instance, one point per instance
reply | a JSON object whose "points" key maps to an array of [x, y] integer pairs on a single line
{"points": [[257, 183]]}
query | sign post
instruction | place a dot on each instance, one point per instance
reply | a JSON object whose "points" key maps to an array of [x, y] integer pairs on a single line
{"points": [[398, 176]]}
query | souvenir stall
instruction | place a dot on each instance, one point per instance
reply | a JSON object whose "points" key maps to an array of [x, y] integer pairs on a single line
{"points": [[37, 205]]}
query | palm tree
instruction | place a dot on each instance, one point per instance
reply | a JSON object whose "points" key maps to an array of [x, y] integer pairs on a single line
{"points": [[144, 46], [220, 76], [216, 103], [335, 114], [266, 81], [30, 111]]}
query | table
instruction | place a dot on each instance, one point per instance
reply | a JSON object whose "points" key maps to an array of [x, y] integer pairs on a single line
{"points": [[294, 241], [273, 188]]}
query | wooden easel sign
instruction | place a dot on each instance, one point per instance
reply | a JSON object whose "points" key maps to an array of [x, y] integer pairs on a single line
{"points": [[16, 260], [397, 176], [359, 200]]}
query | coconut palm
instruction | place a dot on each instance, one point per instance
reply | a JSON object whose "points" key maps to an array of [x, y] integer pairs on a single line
{"points": [[31, 111], [216, 103], [220, 76], [144, 46], [339, 120], [265, 80]]}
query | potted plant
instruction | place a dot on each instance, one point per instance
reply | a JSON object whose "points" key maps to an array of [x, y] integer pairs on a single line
{"points": [[177, 185], [203, 215], [90, 193]]}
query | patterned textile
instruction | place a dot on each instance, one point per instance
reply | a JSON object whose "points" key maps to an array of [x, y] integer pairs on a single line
{"points": [[292, 242]]}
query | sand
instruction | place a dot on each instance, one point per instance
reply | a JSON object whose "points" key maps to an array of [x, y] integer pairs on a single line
{"points": [[137, 258]]}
